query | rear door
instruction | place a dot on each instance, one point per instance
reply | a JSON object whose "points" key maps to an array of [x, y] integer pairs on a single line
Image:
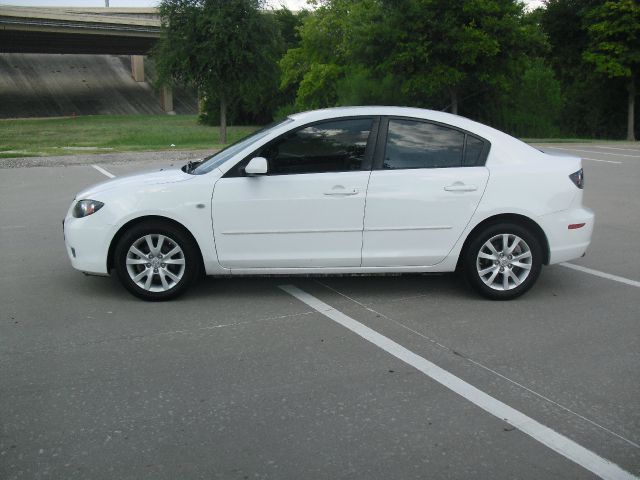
{"points": [[427, 181]]}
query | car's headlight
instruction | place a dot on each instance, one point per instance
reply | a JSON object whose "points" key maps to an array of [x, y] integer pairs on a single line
{"points": [[84, 208]]}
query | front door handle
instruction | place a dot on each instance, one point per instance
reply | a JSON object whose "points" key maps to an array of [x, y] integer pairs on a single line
{"points": [[340, 191], [460, 187]]}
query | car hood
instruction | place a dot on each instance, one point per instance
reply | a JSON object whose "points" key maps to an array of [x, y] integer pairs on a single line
{"points": [[154, 177]]}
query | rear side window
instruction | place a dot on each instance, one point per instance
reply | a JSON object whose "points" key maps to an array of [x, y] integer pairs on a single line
{"points": [[334, 146], [473, 152], [417, 144]]}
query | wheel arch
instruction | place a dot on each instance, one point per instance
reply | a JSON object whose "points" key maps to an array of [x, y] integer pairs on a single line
{"points": [[154, 218], [515, 218]]}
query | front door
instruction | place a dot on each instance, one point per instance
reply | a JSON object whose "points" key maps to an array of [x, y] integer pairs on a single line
{"points": [[307, 211]]}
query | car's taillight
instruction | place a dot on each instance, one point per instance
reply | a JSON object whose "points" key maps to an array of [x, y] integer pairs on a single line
{"points": [[578, 178]]}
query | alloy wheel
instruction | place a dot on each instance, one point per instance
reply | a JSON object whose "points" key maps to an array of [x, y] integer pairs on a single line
{"points": [[504, 262], [155, 263]]}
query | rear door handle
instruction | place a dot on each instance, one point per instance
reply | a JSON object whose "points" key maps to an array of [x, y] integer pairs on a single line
{"points": [[460, 187]]}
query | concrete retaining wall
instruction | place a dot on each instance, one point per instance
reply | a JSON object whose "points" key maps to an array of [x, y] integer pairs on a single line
{"points": [[37, 85]]}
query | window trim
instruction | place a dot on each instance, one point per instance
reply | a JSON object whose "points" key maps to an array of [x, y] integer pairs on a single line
{"points": [[486, 146], [367, 161], [383, 131]]}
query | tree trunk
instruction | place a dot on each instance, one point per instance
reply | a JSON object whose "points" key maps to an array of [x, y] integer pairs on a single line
{"points": [[631, 137], [200, 101], [454, 101], [223, 119]]}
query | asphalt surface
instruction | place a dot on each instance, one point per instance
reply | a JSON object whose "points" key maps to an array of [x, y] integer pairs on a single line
{"points": [[240, 380]]}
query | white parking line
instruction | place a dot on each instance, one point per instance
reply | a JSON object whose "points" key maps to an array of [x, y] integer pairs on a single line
{"points": [[617, 148], [12, 227], [476, 363], [592, 151], [603, 161], [598, 273], [548, 437], [103, 171], [546, 149]]}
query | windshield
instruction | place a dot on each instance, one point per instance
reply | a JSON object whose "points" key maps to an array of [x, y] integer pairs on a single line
{"points": [[217, 159]]}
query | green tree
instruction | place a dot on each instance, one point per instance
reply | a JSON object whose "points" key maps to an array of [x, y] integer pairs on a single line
{"points": [[614, 47], [223, 47], [458, 49], [260, 101], [289, 24], [591, 100], [562, 23], [341, 38], [419, 50], [533, 107]]}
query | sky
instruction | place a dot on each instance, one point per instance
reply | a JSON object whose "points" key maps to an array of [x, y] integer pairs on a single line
{"points": [[291, 4]]}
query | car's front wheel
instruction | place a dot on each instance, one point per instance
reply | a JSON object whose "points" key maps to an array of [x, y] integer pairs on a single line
{"points": [[156, 261], [503, 261]]}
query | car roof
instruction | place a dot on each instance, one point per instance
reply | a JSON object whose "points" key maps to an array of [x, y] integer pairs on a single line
{"points": [[423, 113]]}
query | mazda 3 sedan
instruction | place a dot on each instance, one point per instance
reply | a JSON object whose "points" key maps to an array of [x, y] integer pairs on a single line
{"points": [[343, 190]]}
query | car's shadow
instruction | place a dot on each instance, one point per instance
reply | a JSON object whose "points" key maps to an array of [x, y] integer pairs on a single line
{"points": [[447, 287]]}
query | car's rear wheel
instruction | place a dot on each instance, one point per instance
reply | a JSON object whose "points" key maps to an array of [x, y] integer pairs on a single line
{"points": [[156, 261], [503, 261]]}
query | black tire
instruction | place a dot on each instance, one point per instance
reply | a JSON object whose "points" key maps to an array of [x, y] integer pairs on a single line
{"points": [[493, 287], [184, 265]]}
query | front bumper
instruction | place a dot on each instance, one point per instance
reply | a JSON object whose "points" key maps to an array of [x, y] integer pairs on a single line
{"points": [[87, 242]]}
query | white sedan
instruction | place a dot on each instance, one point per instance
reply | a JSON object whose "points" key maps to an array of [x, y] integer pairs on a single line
{"points": [[344, 190]]}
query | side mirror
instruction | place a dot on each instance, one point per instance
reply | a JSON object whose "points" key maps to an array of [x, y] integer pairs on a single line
{"points": [[256, 166]]}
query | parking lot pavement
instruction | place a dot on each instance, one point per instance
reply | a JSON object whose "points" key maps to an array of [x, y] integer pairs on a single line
{"points": [[239, 379]]}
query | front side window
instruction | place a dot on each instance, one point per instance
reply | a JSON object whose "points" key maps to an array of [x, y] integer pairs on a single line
{"points": [[334, 146], [217, 159], [413, 144]]}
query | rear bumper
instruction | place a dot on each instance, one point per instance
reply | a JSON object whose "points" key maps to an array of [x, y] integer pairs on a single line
{"points": [[564, 243]]}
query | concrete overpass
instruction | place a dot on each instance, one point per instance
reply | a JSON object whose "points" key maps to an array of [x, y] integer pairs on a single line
{"points": [[110, 31], [97, 31]]}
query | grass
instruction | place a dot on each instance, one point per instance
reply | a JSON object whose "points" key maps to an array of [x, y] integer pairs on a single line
{"points": [[109, 133]]}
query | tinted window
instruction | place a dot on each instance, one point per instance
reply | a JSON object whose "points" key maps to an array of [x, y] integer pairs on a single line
{"points": [[214, 161], [473, 151], [334, 146], [412, 144]]}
